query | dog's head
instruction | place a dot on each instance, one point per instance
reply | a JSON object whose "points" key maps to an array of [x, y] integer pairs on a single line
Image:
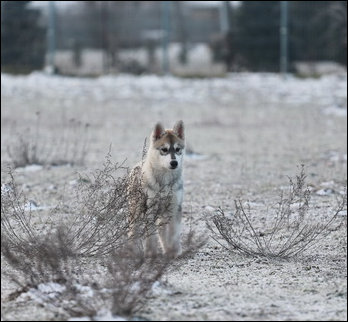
{"points": [[169, 145]]}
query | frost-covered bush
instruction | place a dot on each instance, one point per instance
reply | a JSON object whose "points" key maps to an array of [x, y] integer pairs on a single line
{"points": [[68, 146], [291, 228], [59, 262]]}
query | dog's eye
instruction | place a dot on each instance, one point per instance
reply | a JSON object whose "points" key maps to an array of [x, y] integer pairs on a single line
{"points": [[177, 149], [165, 150]]}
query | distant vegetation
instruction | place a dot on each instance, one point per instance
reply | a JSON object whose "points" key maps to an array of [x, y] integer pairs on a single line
{"points": [[249, 40]]}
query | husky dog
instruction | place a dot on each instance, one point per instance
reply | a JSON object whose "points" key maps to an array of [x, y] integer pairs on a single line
{"points": [[159, 177]]}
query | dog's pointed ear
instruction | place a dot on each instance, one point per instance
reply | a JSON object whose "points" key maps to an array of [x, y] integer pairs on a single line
{"points": [[158, 131], [179, 129]]}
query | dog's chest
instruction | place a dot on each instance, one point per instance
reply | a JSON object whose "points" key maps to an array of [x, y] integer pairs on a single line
{"points": [[168, 186]]}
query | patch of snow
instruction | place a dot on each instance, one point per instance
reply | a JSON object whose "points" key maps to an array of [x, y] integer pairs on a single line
{"points": [[51, 287], [106, 315], [295, 205], [73, 182], [311, 68], [44, 292], [135, 287], [229, 214], [327, 90], [328, 183], [325, 192], [335, 156], [6, 188], [30, 168], [158, 289], [32, 205], [52, 187], [209, 209], [252, 204], [85, 291], [335, 111]]}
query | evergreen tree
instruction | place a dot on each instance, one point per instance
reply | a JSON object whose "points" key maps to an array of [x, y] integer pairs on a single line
{"points": [[318, 30], [258, 34], [22, 39]]}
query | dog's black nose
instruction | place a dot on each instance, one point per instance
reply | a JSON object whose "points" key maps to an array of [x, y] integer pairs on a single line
{"points": [[173, 164]]}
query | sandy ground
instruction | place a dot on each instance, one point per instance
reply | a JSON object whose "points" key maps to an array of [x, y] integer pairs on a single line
{"points": [[248, 133]]}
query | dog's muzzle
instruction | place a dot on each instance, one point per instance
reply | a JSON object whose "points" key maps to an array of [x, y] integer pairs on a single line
{"points": [[173, 164]]}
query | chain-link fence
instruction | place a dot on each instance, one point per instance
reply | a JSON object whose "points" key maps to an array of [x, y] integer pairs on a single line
{"points": [[187, 38]]}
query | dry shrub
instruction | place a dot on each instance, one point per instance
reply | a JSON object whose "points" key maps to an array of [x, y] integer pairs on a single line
{"points": [[98, 215], [98, 219], [47, 258], [71, 281], [291, 228], [131, 279], [16, 226], [54, 275], [96, 230], [102, 219], [69, 146]]}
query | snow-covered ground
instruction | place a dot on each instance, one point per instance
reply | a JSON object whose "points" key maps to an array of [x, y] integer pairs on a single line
{"points": [[329, 91], [245, 134]]}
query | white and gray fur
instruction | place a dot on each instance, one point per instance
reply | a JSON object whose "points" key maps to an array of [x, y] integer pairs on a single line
{"points": [[160, 175]]}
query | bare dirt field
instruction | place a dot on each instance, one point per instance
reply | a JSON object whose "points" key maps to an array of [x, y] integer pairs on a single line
{"points": [[245, 133]]}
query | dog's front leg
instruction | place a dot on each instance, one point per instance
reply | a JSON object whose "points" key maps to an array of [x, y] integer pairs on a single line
{"points": [[173, 247], [163, 231], [151, 245]]}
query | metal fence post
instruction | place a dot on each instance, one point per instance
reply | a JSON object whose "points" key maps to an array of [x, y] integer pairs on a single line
{"points": [[283, 38], [165, 37], [51, 37]]}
